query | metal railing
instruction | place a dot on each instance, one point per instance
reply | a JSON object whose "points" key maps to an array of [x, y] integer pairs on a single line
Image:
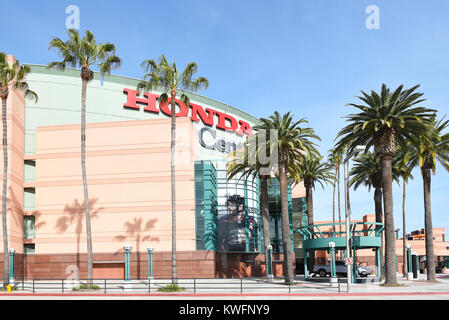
{"points": [[157, 286]]}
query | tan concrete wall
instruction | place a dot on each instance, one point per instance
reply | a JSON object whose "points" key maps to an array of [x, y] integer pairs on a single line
{"points": [[128, 173], [299, 191], [15, 108]]}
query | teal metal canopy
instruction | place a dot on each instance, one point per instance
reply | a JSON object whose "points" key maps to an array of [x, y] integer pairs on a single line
{"points": [[364, 235]]}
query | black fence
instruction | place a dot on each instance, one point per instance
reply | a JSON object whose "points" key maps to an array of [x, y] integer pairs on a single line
{"points": [[189, 286]]}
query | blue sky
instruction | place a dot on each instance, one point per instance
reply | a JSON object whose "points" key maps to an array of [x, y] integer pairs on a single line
{"points": [[309, 57]]}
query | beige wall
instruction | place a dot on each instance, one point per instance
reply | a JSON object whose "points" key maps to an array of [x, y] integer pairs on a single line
{"points": [[299, 191], [15, 107], [128, 172]]}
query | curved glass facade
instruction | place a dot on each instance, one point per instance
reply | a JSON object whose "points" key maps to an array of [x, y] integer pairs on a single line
{"points": [[239, 223], [228, 211]]}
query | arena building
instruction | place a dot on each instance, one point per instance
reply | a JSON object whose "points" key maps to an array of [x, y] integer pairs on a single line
{"points": [[128, 173]]}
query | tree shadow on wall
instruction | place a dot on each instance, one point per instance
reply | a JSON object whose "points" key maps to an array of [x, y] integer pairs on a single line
{"points": [[76, 214], [15, 207], [17, 215], [135, 231]]}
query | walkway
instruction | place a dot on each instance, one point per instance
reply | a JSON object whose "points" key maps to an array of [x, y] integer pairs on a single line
{"points": [[252, 289]]}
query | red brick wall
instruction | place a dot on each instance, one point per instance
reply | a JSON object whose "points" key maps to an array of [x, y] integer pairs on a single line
{"points": [[234, 265], [191, 264]]}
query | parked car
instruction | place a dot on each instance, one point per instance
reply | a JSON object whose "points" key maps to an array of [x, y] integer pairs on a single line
{"points": [[340, 269]]}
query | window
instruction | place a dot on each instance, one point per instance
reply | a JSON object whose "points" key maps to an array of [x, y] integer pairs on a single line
{"points": [[29, 248], [30, 171], [28, 227], [29, 199]]}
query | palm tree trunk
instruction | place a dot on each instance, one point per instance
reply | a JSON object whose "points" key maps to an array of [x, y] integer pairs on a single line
{"points": [[86, 194], [5, 188], [309, 199], [286, 238], [333, 202], [379, 219], [265, 213], [173, 186], [339, 207], [430, 257], [390, 239], [264, 210], [404, 240]]}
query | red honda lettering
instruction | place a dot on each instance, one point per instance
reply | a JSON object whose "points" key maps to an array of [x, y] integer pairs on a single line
{"points": [[222, 117], [225, 121], [133, 101], [165, 108], [207, 119], [245, 128]]}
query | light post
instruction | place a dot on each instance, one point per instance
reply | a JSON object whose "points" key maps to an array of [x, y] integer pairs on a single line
{"points": [[127, 249], [333, 279], [150, 262], [415, 265], [269, 264], [409, 263], [356, 150], [397, 232], [11, 266]]}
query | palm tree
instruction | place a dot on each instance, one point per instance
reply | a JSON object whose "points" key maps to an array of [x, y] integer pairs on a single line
{"points": [[426, 154], [12, 74], [85, 53], [367, 171], [335, 159], [405, 172], [293, 141], [167, 77], [311, 170], [386, 120]]}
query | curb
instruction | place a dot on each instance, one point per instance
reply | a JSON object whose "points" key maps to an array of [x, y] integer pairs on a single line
{"points": [[360, 294]]}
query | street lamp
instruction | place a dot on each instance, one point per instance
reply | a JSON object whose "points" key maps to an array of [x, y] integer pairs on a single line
{"points": [[397, 232], [409, 263], [150, 262], [11, 266], [127, 248], [333, 279], [355, 151], [269, 263]]}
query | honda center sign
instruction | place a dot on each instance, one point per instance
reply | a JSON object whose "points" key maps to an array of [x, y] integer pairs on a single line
{"points": [[212, 119]]}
